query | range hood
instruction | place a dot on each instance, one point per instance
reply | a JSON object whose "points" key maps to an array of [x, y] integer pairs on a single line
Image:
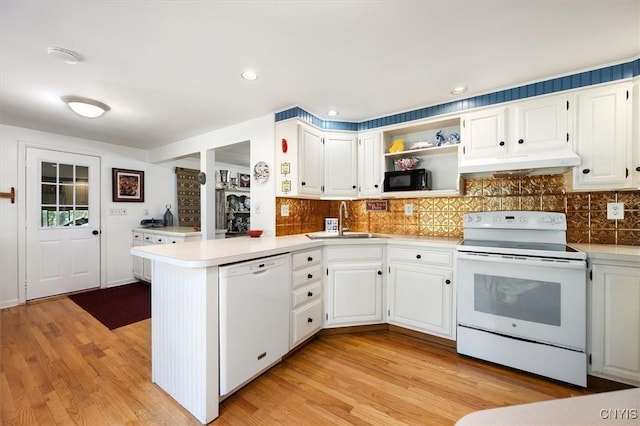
{"points": [[534, 163]]}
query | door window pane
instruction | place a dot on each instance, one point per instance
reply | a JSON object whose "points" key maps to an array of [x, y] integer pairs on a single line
{"points": [[518, 298], [49, 172], [64, 195]]}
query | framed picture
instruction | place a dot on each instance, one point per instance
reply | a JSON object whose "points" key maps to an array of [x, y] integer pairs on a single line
{"points": [[128, 185], [244, 181]]}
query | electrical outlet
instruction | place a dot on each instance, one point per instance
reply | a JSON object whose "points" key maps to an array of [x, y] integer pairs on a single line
{"points": [[615, 211], [284, 210], [408, 209], [117, 212]]}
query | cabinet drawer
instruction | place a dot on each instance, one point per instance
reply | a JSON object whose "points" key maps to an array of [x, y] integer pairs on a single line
{"points": [[307, 294], [347, 253], [307, 275], [174, 240], [306, 321], [160, 239], [306, 258], [423, 256]]}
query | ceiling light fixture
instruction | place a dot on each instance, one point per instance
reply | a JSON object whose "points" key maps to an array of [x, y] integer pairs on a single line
{"points": [[249, 75], [64, 55], [332, 113], [459, 90], [85, 107]]}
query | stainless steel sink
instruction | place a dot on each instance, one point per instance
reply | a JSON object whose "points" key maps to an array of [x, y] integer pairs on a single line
{"points": [[346, 236]]}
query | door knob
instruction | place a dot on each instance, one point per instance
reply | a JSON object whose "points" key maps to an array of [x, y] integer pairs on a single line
{"points": [[501, 143], [586, 171], [94, 232], [520, 141]]}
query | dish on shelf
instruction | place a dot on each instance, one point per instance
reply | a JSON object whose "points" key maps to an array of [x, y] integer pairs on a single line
{"points": [[421, 145], [407, 163]]}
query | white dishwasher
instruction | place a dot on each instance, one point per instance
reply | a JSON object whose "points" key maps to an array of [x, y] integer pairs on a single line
{"points": [[254, 318]]}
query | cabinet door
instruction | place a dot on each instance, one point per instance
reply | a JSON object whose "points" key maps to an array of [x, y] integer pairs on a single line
{"points": [[420, 298], [616, 322], [138, 262], [603, 138], [354, 293], [310, 160], [635, 138], [540, 125], [484, 133], [369, 164], [340, 165]]}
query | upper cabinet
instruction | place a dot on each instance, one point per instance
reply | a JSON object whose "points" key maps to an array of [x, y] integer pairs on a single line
{"points": [[310, 154], [522, 128], [523, 135], [369, 164], [604, 139], [340, 165], [314, 163]]}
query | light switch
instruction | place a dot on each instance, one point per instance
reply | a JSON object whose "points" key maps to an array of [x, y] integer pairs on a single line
{"points": [[615, 211], [284, 210], [408, 209]]}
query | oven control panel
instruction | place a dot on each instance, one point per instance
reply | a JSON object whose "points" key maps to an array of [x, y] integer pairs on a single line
{"points": [[515, 220]]}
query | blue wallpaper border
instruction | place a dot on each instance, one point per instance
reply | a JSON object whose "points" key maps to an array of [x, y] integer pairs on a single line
{"points": [[587, 78]]}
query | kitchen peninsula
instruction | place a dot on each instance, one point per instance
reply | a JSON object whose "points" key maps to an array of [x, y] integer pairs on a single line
{"points": [[185, 311]]}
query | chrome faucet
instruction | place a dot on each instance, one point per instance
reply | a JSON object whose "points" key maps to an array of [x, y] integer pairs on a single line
{"points": [[346, 216]]}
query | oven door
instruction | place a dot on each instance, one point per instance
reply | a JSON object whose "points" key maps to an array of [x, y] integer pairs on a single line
{"points": [[535, 299]]}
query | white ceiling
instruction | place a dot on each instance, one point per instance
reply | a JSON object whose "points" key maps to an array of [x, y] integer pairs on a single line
{"points": [[171, 69]]}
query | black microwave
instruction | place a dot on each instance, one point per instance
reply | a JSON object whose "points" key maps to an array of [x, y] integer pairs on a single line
{"points": [[407, 180]]}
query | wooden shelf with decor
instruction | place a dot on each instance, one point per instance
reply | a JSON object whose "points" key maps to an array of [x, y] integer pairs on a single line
{"points": [[441, 161]]}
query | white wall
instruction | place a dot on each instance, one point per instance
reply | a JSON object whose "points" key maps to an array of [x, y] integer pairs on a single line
{"points": [[160, 189], [260, 132]]}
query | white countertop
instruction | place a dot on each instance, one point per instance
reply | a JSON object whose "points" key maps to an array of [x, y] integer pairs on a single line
{"points": [[610, 251], [197, 254], [596, 409], [171, 231]]}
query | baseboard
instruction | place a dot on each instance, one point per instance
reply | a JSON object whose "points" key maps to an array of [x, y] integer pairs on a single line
{"points": [[352, 329], [423, 336], [9, 303], [121, 282]]}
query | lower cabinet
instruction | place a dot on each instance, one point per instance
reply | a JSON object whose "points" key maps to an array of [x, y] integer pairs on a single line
{"points": [[354, 277], [420, 290], [615, 322], [168, 235], [306, 297]]}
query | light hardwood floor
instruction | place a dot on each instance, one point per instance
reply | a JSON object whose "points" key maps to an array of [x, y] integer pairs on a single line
{"points": [[61, 366]]}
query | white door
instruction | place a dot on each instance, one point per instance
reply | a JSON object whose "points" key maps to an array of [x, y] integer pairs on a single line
{"points": [[484, 134], [370, 164], [310, 160], [63, 222], [355, 293]]}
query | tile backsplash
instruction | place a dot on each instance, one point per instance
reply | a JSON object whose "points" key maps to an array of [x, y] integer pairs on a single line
{"points": [[442, 216]]}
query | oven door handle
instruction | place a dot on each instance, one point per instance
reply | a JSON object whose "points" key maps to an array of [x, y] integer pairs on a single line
{"points": [[525, 261]]}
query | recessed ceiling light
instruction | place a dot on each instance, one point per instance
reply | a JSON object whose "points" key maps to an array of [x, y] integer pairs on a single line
{"points": [[332, 113], [459, 90], [249, 75], [85, 107], [64, 55]]}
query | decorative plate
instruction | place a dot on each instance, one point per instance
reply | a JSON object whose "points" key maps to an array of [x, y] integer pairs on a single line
{"points": [[261, 172]]}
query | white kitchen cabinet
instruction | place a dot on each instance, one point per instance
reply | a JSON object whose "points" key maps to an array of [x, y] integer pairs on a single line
{"points": [[421, 290], [340, 165], [603, 138], [306, 298], [354, 282], [316, 163], [310, 160], [635, 138], [537, 125], [615, 321], [369, 164], [166, 235]]}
